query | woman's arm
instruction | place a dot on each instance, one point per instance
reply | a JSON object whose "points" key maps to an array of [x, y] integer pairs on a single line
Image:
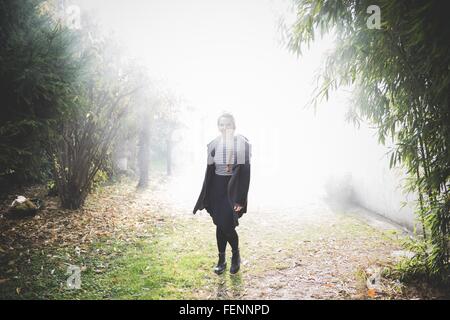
{"points": [[202, 202], [244, 178]]}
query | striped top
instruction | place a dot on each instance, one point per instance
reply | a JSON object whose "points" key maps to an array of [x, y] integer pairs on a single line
{"points": [[224, 156], [228, 153]]}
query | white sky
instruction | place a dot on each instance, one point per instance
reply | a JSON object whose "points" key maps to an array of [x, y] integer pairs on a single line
{"points": [[217, 53], [226, 55]]}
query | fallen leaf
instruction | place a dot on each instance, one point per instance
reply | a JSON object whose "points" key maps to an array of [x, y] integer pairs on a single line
{"points": [[372, 293]]}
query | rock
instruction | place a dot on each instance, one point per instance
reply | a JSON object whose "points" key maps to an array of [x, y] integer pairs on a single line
{"points": [[23, 207]]}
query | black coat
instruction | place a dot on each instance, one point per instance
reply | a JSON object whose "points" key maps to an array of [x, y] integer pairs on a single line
{"points": [[237, 186]]}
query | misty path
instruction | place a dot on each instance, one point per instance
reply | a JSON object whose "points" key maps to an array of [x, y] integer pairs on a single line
{"points": [[147, 244], [110, 117], [312, 250]]}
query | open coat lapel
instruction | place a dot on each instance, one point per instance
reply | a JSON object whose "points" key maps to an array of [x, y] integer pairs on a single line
{"points": [[238, 185]]}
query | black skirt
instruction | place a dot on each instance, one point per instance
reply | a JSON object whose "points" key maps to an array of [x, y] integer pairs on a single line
{"points": [[220, 207]]}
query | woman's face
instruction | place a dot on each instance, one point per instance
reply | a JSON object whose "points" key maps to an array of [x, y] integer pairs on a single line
{"points": [[225, 126]]}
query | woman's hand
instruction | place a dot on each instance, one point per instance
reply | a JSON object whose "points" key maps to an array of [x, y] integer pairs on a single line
{"points": [[237, 207]]}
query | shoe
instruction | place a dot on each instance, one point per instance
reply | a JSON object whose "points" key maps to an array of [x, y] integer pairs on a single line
{"points": [[221, 264], [235, 262]]}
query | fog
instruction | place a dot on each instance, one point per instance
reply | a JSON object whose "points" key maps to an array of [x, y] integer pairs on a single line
{"points": [[229, 56]]}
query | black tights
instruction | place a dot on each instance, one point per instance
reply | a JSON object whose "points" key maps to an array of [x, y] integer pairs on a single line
{"points": [[223, 237]]}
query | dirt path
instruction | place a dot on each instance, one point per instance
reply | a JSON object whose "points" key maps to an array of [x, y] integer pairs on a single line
{"points": [[147, 245], [307, 251]]}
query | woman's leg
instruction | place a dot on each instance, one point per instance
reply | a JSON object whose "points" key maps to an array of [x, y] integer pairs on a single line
{"points": [[233, 239], [221, 245], [221, 240]]}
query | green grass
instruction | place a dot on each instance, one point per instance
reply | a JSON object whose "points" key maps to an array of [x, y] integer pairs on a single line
{"points": [[171, 263], [173, 258]]}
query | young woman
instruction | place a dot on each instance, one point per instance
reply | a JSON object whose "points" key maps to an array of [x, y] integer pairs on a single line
{"points": [[225, 188]]}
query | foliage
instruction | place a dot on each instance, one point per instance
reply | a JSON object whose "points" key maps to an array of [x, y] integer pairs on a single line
{"points": [[146, 138], [35, 75], [100, 178], [66, 100], [167, 112], [402, 80], [99, 103]]}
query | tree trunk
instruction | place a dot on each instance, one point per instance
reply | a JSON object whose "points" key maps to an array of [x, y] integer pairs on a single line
{"points": [[169, 146], [144, 155], [71, 196]]}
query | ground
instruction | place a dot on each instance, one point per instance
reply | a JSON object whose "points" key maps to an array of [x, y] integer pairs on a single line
{"points": [[132, 244]]}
